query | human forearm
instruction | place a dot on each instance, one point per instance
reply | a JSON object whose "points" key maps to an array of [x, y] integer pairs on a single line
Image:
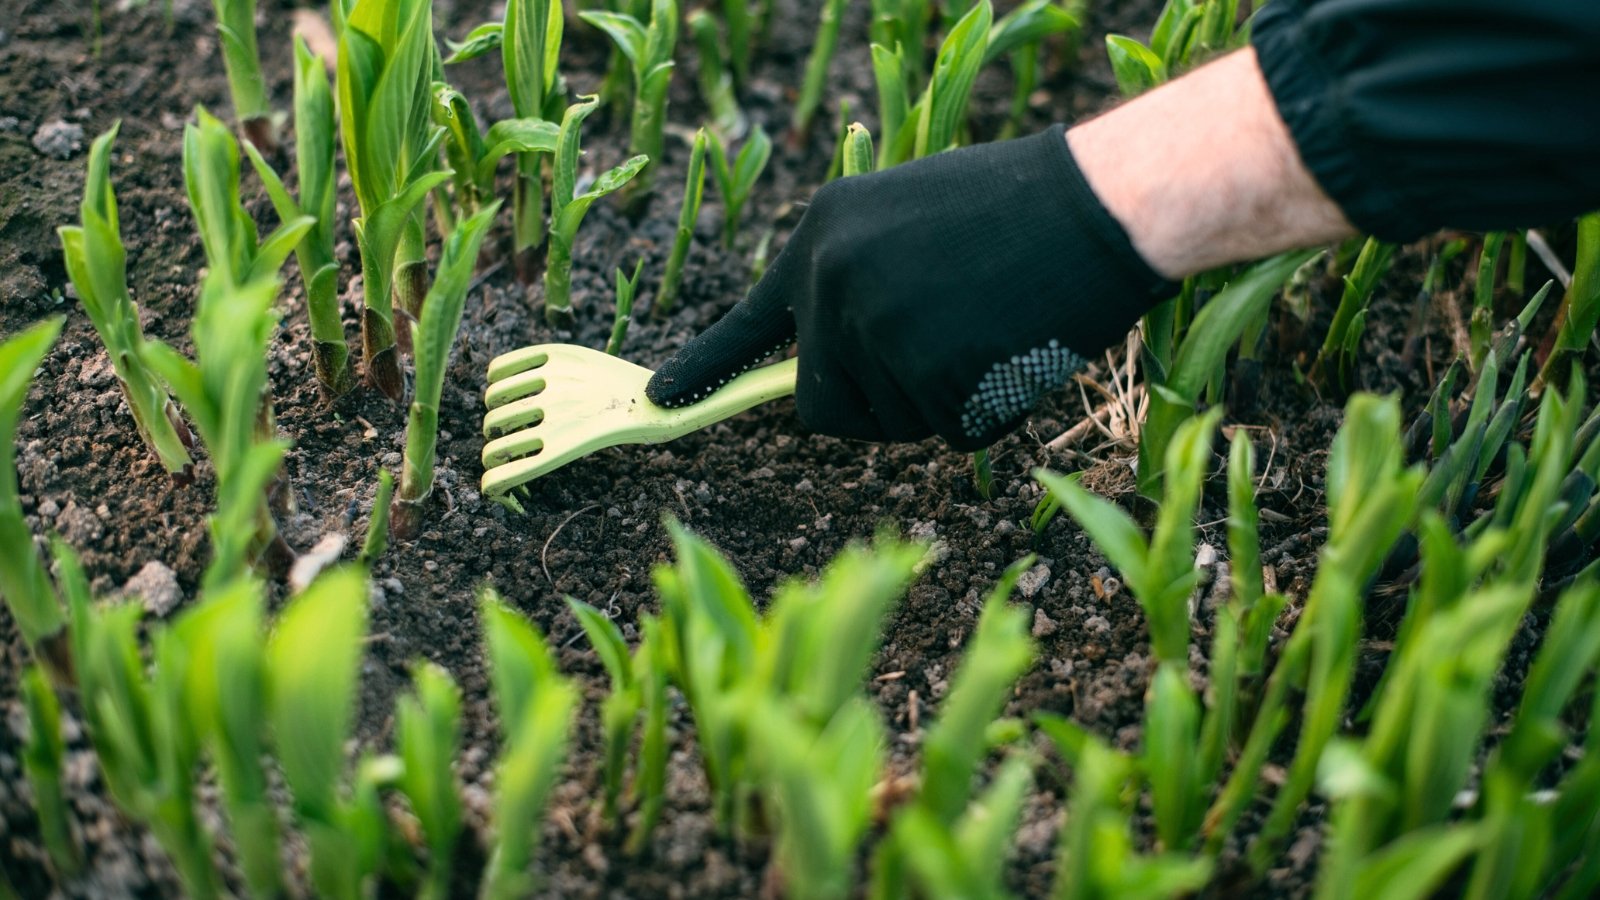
{"points": [[1202, 172]]}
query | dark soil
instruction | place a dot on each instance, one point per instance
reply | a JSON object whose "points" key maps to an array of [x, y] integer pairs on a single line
{"points": [[778, 500]]}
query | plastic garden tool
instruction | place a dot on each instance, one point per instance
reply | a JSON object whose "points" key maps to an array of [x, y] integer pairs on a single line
{"points": [[550, 404]]}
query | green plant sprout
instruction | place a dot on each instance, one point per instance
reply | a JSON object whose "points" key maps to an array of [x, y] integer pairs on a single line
{"points": [[797, 670], [1095, 856], [1481, 326], [43, 759], [1580, 307], [234, 252], [140, 724], [736, 13], [225, 693], [313, 664], [1371, 499], [473, 154], [428, 735], [816, 75], [901, 28], [737, 177], [627, 289], [858, 153], [530, 53], [622, 705], [1162, 575], [1175, 387], [648, 48], [716, 83], [567, 209], [1335, 362], [934, 123], [315, 133], [536, 704], [236, 26], [97, 264], [24, 581], [693, 187], [376, 542], [431, 340], [390, 150], [222, 393], [945, 836], [638, 684], [1020, 36]]}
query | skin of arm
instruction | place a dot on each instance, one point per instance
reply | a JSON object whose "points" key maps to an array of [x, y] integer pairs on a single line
{"points": [[1202, 172]]}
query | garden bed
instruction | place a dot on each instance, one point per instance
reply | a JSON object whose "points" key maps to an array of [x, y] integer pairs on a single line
{"points": [[779, 501]]}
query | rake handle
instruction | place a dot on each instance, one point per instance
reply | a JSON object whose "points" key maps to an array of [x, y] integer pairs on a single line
{"points": [[753, 388]]}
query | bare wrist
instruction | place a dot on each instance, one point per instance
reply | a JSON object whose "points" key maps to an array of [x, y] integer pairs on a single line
{"points": [[1202, 172]]}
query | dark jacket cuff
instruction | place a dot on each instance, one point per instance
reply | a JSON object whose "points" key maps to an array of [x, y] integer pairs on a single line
{"points": [[1312, 104]]}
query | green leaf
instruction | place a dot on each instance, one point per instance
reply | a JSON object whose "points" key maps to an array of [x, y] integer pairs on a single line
{"points": [[1136, 68], [483, 39], [24, 585], [1111, 529], [314, 662], [1029, 23], [607, 640]]}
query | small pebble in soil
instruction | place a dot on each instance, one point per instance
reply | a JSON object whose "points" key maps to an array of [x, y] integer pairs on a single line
{"points": [[157, 586], [1043, 625], [58, 139], [1033, 580]]}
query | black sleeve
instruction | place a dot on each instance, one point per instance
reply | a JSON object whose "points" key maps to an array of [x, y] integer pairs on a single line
{"points": [[1415, 115]]}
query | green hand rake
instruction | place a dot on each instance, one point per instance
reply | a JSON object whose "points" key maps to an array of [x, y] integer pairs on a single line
{"points": [[550, 404]]}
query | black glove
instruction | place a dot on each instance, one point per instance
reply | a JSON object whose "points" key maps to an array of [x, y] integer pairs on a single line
{"points": [[944, 296]]}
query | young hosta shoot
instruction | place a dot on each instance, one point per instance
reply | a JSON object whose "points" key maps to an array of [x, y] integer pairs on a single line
{"points": [[226, 696], [858, 155], [97, 265], [428, 733], [716, 84], [24, 581], [140, 725], [621, 706], [1482, 325], [535, 703], [313, 666], [234, 252], [818, 783], [737, 177], [567, 209], [1336, 360], [934, 123], [474, 154], [1580, 309], [627, 289], [530, 53], [809, 652], [315, 133], [900, 27], [816, 77], [390, 149], [736, 13], [1162, 574], [1096, 856], [222, 392], [1372, 498], [1175, 389], [236, 26], [431, 339], [649, 49], [693, 187], [43, 758], [376, 542], [1020, 35], [945, 833]]}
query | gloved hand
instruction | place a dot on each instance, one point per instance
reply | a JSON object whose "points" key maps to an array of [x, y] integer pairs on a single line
{"points": [[943, 296]]}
